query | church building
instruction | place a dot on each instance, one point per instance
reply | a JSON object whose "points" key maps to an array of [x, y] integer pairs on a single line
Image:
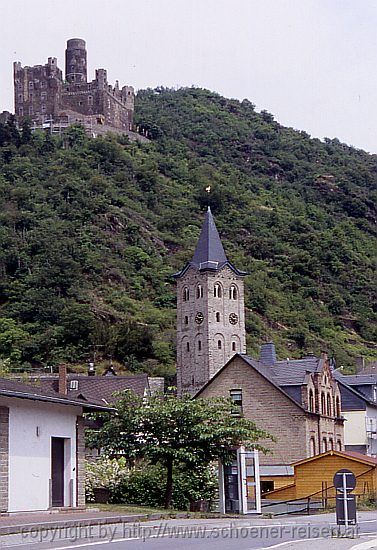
{"points": [[296, 401]]}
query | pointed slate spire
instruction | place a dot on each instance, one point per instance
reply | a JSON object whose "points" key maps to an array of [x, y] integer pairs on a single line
{"points": [[209, 252]]}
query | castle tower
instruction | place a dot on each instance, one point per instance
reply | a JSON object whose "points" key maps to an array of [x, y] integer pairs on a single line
{"points": [[210, 311], [75, 61]]}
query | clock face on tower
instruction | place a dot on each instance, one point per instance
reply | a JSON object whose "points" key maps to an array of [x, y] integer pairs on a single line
{"points": [[199, 317], [233, 318]]}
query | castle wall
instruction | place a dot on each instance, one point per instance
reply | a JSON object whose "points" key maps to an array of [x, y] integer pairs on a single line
{"points": [[41, 94]]}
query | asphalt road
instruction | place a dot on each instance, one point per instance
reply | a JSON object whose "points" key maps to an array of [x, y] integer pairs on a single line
{"points": [[299, 533]]}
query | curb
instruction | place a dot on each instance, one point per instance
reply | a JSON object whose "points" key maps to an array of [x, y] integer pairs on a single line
{"points": [[85, 522]]}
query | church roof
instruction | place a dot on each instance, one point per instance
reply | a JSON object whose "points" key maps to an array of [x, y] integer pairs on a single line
{"points": [[209, 253]]}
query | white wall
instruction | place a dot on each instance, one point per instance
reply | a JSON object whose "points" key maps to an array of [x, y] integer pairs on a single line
{"points": [[354, 428], [30, 454], [371, 425]]}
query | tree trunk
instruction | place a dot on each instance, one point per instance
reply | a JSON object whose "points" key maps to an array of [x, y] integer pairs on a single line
{"points": [[169, 483]]}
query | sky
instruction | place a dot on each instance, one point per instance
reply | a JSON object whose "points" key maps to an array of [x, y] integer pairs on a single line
{"points": [[312, 63]]}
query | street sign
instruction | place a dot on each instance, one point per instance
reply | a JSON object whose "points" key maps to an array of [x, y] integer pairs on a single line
{"points": [[345, 482]]}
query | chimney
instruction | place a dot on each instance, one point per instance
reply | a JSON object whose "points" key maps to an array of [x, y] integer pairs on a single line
{"points": [[62, 379], [91, 369], [267, 354]]}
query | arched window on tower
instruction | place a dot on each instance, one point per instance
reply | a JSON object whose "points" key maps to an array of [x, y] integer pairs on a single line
{"points": [[188, 346], [234, 346], [199, 291], [324, 445], [233, 293], [186, 294], [217, 290], [219, 345], [217, 316]]}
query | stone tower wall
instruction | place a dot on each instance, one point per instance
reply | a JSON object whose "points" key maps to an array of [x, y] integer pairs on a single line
{"points": [[75, 61], [204, 356]]}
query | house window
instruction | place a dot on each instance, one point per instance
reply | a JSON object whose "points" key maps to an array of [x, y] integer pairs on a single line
{"points": [[30, 110], [90, 100], [217, 291], [311, 401], [20, 98], [199, 291], [31, 85], [186, 320], [339, 445], [323, 403], [312, 446], [234, 346], [43, 108], [21, 111], [233, 293], [266, 486], [186, 294], [219, 344], [236, 397], [43, 96], [324, 445], [74, 385], [199, 345], [217, 317], [328, 404], [338, 411]]}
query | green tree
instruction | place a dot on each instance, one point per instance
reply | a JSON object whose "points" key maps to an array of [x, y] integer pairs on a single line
{"points": [[171, 431]]}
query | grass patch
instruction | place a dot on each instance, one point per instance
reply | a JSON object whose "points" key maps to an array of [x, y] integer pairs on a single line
{"points": [[130, 509]]}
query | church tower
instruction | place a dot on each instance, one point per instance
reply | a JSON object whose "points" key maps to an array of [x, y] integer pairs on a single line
{"points": [[210, 311]]}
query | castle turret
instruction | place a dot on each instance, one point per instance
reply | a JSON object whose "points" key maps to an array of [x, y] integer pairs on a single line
{"points": [[75, 61], [210, 311]]}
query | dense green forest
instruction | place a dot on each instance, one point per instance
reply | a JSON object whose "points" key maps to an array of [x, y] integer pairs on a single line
{"points": [[92, 229]]}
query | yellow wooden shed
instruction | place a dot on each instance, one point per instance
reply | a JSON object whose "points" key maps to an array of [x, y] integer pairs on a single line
{"points": [[313, 477]]}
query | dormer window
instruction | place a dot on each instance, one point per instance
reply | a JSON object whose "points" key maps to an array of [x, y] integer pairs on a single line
{"points": [[233, 293], [217, 291], [74, 385]]}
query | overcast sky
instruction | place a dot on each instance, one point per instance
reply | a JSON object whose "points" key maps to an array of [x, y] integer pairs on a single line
{"points": [[312, 63]]}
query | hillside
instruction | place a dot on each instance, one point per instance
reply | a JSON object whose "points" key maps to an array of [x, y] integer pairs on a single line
{"points": [[91, 230]]}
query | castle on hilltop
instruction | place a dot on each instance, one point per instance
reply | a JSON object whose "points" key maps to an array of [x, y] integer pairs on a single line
{"points": [[42, 95]]}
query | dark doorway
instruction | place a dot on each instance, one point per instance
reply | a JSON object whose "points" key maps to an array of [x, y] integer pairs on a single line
{"points": [[231, 488], [57, 471]]}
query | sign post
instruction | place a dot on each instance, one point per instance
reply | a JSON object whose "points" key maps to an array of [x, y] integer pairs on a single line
{"points": [[345, 482]]}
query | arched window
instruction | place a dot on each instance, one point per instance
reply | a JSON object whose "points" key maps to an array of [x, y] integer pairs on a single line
{"points": [[234, 346], [186, 320], [186, 294], [338, 411], [219, 345], [311, 401], [217, 317], [339, 445], [199, 345], [233, 293], [217, 290], [199, 291], [312, 446], [328, 404], [323, 403], [188, 346], [331, 444], [324, 445]]}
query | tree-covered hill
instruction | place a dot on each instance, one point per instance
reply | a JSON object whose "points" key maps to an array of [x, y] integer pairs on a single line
{"points": [[91, 230]]}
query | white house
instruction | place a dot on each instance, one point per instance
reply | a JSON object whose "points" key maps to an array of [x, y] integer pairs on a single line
{"points": [[42, 459]]}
